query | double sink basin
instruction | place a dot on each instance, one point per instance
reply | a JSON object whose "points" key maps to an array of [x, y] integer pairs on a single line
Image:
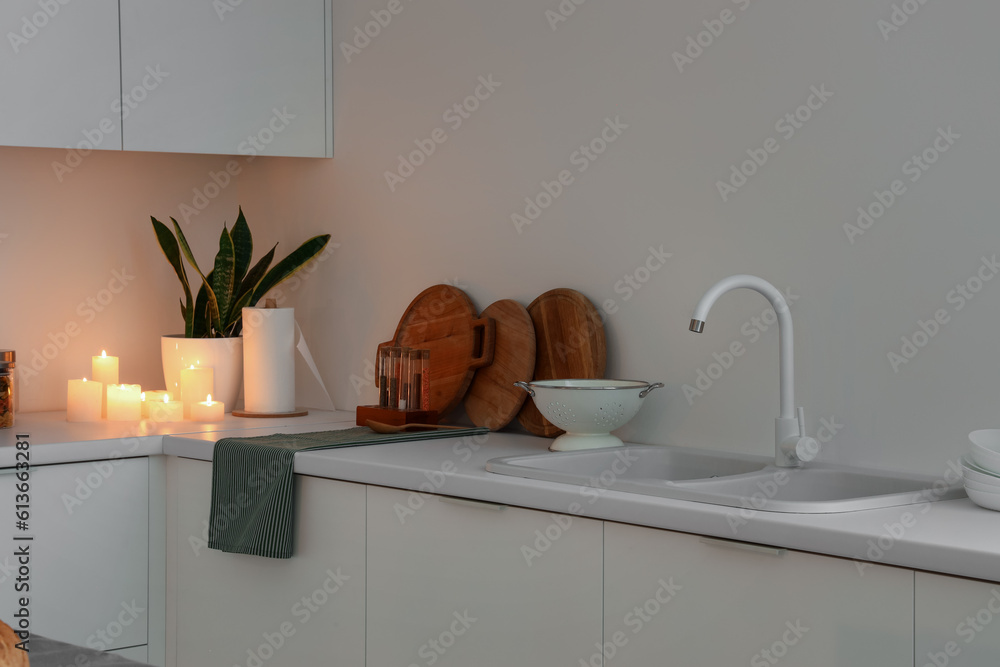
{"points": [[733, 480]]}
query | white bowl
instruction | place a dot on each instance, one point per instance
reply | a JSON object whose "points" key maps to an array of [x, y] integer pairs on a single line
{"points": [[985, 449], [984, 498], [980, 486], [976, 474], [588, 410]]}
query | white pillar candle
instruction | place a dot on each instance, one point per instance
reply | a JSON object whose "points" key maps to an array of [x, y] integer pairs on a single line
{"points": [[104, 369], [84, 400], [124, 403], [196, 384], [165, 410], [150, 397], [208, 411]]}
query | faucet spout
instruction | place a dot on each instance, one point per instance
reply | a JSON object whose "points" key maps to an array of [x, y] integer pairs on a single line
{"points": [[788, 426]]}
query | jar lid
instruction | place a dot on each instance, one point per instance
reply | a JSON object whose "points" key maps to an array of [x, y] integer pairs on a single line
{"points": [[7, 357]]}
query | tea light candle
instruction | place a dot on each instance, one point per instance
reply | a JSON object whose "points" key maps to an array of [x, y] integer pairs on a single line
{"points": [[150, 398], [104, 369], [84, 400], [165, 410], [196, 383], [208, 411], [124, 402]]}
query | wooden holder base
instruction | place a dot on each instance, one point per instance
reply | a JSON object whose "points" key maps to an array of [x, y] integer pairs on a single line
{"points": [[394, 417]]}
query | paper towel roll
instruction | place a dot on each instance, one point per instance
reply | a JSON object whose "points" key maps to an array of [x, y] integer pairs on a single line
{"points": [[269, 359]]}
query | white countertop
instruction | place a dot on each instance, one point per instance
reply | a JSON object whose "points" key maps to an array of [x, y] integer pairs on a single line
{"points": [[953, 537]]}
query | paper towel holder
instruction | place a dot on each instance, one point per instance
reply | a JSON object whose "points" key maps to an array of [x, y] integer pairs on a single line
{"points": [[270, 303]]}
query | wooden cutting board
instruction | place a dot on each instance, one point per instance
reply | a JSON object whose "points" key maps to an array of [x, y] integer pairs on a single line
{"points": [[493, 401], [443, 319], [570, 344]]}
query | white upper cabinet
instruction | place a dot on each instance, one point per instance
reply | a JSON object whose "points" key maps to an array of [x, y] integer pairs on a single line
{"points": [[241, 77], [59, 65]]}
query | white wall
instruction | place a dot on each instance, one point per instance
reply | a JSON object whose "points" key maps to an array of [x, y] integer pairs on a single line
{"points": [[451, 220], [656, 184]]}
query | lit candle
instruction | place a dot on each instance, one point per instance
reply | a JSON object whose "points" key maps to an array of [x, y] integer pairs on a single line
{"points": [[105, 370], [165, 410], [208, 411], [195, 383], [124, 402], [151, 398], [84, 400]]}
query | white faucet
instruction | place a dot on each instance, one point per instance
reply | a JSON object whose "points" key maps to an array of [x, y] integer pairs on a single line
{"points": [[792, 446]]}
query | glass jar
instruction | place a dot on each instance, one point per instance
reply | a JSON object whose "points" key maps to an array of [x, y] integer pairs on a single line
{"points": [[7, 394]]}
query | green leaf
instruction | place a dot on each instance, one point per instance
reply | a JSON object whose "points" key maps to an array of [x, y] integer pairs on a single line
{"points": [[243, 247], [223, 276], [289, 265], [256, 274], [168, 244], [201, 327], [213, 304]]}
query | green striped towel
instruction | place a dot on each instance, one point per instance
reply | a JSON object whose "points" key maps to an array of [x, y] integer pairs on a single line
{"points": [[252, 484]]}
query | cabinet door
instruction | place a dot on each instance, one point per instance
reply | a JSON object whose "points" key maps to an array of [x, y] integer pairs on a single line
{"points": [[477, 584], [89, 557], [678, 599], [233, 609], [60, 71], [251, 77], [957, 622]]}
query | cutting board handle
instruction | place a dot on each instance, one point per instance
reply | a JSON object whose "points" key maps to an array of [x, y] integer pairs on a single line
{"points": [[486, 337]]}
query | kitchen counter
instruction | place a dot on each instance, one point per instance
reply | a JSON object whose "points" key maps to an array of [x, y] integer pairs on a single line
{"points": [[952, 537]]}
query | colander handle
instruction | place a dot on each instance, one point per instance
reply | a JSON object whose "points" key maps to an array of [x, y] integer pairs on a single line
{"points": [[526, 387], [649, 388]]}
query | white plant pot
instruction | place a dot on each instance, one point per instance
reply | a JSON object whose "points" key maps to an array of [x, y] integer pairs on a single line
{"points": [[224, 355]]}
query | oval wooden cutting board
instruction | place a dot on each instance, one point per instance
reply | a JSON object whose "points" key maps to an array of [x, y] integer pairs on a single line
{"points": [[443, 319], [493, 401], [570, 344]]}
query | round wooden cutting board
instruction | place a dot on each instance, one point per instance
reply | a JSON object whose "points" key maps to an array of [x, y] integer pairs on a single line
{"points": [[570, 344], [493, 401], [443, 319]]}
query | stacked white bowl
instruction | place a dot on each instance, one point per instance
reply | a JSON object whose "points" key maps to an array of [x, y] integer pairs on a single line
{"points": [[981, 468]]}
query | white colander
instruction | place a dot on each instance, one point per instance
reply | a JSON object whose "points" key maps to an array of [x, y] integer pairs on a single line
{"points": [[588, 410]]}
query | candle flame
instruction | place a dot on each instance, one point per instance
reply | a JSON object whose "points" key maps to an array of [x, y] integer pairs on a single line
{"points": [[209, 399], [192, 366], [142, 396], [84, 379], [104, 354], [166, 398]]}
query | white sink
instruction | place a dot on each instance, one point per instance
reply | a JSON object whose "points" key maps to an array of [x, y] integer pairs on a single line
{"points": [[727, 479]]}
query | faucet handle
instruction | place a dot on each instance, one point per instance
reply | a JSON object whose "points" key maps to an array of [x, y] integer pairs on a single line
{"points": [[801, 414]]}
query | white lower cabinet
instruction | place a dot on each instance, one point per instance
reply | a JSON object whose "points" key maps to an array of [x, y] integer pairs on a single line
{"points": [[137, 653], [87, 566], [463, 583], [679, 599], [957, 622], [230, 609]]}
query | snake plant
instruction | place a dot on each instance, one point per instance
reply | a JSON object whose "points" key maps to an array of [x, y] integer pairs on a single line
{"points": [[232, 284]]}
